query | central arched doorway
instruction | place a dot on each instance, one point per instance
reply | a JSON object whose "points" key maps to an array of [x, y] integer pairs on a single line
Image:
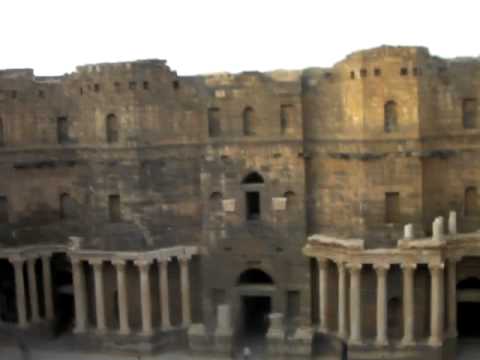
{"points": [[255, 288], [468, 308]]}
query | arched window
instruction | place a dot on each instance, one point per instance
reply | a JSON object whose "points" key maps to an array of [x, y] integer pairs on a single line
{"points": [[390, 117], [113, 129], [253, 178], [2, 133], [214, 125], [254, 276], [286, 117], [248, 121], [471, 201]]}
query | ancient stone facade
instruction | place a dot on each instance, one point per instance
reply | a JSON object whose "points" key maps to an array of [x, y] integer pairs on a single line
{"points": [[294, 206]]}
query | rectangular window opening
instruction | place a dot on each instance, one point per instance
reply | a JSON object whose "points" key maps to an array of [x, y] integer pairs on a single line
{"points": [[392, 207], [469, 113], [253, 205], [114, 208], [3, 210], [62, 130]]}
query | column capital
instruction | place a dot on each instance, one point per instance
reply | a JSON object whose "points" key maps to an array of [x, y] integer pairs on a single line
{"points": [[408, 266], [183, 258], [75, 260], [436, 266], [143, 263], [119, 263], [163, 259], [96, 262], [45, 257], [454, 259], [381, 267], [322, 261], [354, 267], [17, 259]]}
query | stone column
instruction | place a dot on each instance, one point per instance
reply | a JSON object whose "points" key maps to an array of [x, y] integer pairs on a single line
{"points": [[33, 290], [185, 285], [164, 293], [17, 263], [323, 294], [122, 296], [452, 297], [99, 295], [146, 296], [80, 296], [342, 301], [355, 304], [382, 306], [408, 304], [437, 307], [47, 287]]}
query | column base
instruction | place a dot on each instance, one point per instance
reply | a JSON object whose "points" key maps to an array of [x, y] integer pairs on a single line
{"points": [[434, 342], [355, 342], [146, 333], [381, 343], [321, 329], [166, 327], [407, 343], [101, 331], [342, 335], [452, 333], [124, 332], [79, 331]]}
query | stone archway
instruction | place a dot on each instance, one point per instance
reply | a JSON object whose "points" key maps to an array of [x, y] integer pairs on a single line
{"points": [[255, 290]]}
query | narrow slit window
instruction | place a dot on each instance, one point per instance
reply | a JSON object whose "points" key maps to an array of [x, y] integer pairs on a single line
{"points": [[392, 207], [3, 210], [62, 130], [114, 210]]}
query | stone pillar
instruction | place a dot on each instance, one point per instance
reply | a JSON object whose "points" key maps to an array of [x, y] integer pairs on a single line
{"points": [[408, 232], [185, 286], [99, 295], [164, 293], [17, 263], [452, 222], [323, 294], [79, 296], [146, 296], [33, 289], [355, 304], [342, 301], [452, 297], [122, 297], [408, 304], [382, 306], [47, 287], [438, 229], [437, 304]]}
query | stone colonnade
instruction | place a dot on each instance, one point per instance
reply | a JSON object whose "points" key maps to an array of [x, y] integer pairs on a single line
{"points": [[18, 262], [440, 253], [354, 270], [143, 263]]}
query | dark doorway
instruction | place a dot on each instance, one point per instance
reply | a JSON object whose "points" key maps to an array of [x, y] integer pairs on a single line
{"points": [[255, 316], [468, 308]]}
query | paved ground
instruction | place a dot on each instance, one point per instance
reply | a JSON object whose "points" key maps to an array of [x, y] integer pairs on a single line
{"points": [[469, 350]]}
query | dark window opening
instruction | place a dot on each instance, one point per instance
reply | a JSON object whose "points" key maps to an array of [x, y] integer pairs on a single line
{"points": [[62, 130], [96, 87], [392, 207], [469, 109], [3, 210], [253, 205], [254, 276], [41, 94], [81, 91], [176, 85], [404, 71], [214, 125], [471, 201], [65, 205], [14, 94], [146, 85], [286, 117], [117, 86], [112, 129], [352, 75], [377, 72], [390, 117], [114, 210], [248, 121], [363, 73]]}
